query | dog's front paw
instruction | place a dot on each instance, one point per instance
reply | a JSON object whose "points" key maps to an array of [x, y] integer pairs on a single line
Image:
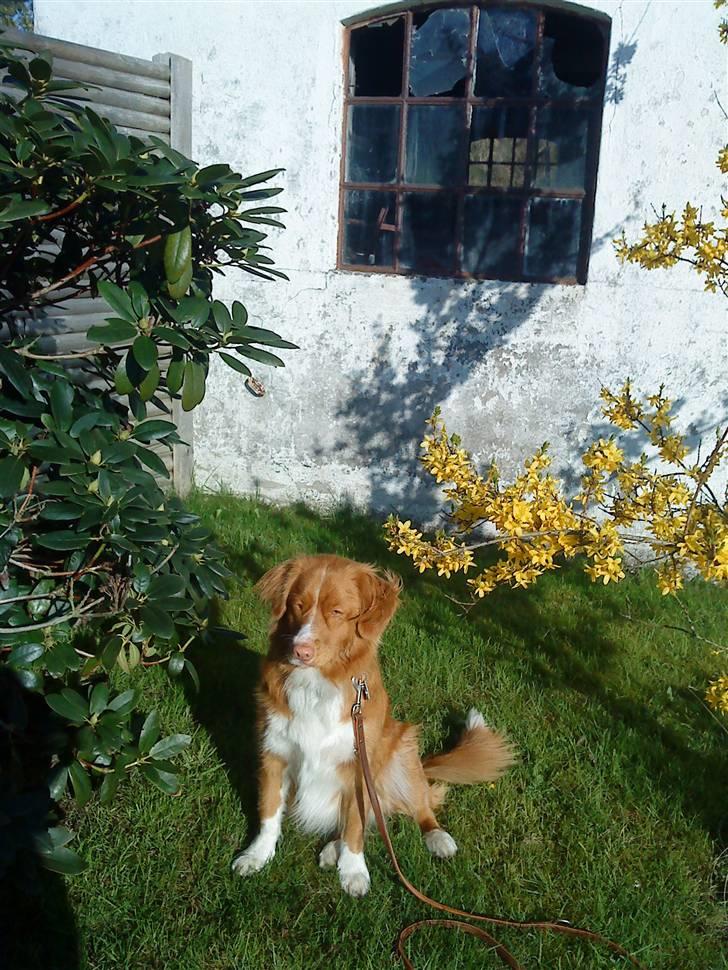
{"points": [[252, 860], [353, 872], [441, 844], [329, 855]]}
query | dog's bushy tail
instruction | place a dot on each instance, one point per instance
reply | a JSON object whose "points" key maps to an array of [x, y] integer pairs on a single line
{"points": [[481, 754]]}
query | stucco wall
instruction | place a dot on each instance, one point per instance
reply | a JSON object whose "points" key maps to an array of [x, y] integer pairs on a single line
{"points": [[511, 364]]}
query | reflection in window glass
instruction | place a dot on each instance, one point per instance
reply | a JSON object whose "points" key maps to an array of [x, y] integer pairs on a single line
{"points": [[435, 140], [491, 235], [498, 146], [428, 232], [561, 139], [375, 59], [552, 243], [372, 143], [439, 53], [369, 228], [572, 57], [506, 42]]}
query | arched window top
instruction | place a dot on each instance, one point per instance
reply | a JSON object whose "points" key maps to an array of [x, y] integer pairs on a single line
{"points": [[471, 139], [417, 6]]}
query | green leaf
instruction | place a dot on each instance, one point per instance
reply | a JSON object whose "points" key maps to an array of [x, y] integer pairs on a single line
{"points": [[164, 780], [11, 476], [262, 356], [150, 383], [169, 747], [179, 288], [260, 177], [118, 300], [121, 379], [193, 390], [69, 704], [152, 429], [192, 671], [123, 703], [111, 652], [175, 375], [236, 364], [24, 654], [62, 859], [109, 786], [14, 208], [112, 332], [157, 622], [61, 404], [176, 664], [99, 698], [152, 461], [167, 585], [178, 255], [81, 783], [149, 732], [63, 540], [38, 608], [57, 781], [139, 298], [145, 351]]}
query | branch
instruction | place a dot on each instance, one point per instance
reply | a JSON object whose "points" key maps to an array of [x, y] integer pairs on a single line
{"points": [[67, 617]]}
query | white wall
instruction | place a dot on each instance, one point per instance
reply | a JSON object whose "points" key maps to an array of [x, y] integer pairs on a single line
{"points": [[511, 364]]}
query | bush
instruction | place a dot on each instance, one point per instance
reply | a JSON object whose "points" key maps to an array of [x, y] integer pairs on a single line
{"points": [[100, 567]]}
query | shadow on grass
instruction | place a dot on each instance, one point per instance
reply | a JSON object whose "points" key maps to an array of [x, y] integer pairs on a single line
{"points": [[225, 706], [552, 649], [37, 926]]}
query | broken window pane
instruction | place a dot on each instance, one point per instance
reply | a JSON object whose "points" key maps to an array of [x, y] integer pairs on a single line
{"points": [[428, 232], [435, 143], [561, 140], [572, 57], [506, 42], [372, 143], [439, 53], [491, 238], [369, 228], [552, 243], [375, 59], [498, 143]]}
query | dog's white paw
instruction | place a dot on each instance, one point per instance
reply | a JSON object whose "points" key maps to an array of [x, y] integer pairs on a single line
{"points": [[353, 872], [252, 860], [329, 855], [441, 844]]}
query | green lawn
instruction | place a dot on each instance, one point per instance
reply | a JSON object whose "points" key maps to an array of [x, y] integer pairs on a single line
{"points": [[611, 819]]}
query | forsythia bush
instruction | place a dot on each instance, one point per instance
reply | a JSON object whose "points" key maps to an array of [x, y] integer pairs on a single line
{"points": [[663, 502]]}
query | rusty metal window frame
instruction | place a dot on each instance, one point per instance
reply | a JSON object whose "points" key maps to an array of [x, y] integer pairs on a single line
{"points": [[533, 102]]}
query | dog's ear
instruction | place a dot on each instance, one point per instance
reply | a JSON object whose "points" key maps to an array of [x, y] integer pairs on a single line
{"points": [[379, 596], [274, 587]]}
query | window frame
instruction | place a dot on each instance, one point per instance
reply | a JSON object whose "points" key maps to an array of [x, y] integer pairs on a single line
{"points": [[534, 102]]}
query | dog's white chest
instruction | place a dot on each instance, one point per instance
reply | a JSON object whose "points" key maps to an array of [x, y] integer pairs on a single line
{"points": [[314, 741]]}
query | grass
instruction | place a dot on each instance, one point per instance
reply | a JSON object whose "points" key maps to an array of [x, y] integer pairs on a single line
{"points": [[612, 819]]}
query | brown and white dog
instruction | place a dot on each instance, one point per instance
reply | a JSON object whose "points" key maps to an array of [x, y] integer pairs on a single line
{"points": [[328, 615]]}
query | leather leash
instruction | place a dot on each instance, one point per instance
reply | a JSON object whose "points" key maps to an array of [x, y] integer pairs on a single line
{"points": [[558, 926]]}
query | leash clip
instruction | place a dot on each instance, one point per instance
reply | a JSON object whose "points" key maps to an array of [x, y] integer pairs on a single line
{"points": [[362, 693]]}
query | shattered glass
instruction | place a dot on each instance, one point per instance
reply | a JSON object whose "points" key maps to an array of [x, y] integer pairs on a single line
{"points": [[375, 59], [571, 59], [439, 54], [552, 242], [506, 44]]}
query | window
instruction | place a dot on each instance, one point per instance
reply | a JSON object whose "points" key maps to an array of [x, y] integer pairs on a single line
{"points": [[471, 140]]}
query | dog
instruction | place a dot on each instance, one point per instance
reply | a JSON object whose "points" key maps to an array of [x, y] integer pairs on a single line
{"points": [[328, 614]]}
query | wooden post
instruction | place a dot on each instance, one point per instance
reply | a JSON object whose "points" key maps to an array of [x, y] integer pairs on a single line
{"points": [[180, 70]]}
